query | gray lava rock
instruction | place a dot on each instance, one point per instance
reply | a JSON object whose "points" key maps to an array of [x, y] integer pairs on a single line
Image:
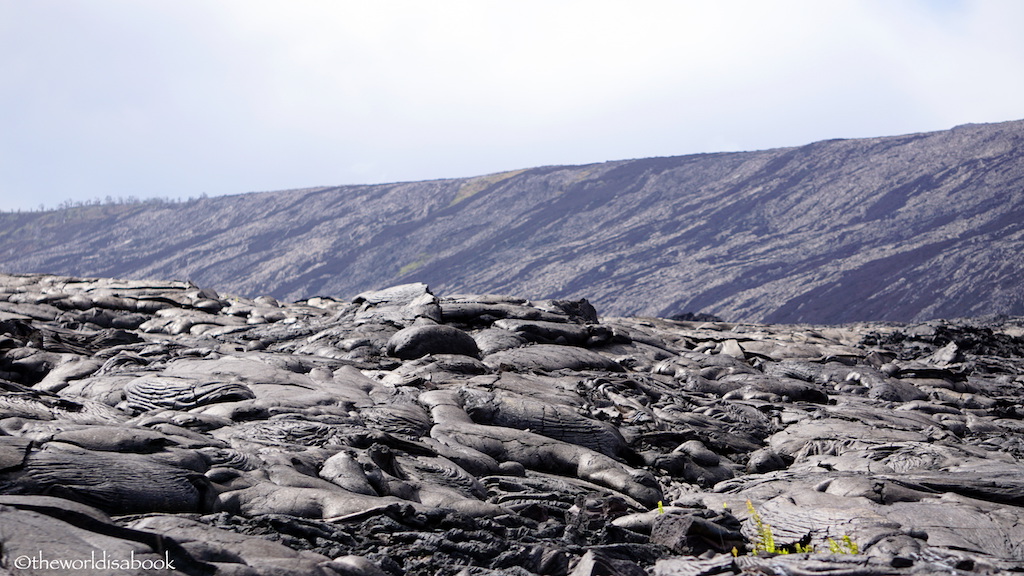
{"points": [[418, 341], [549, 358], [258, 437]]}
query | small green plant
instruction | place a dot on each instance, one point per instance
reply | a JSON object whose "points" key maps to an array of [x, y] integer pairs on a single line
{"points": [[803, 549], [845, 545], [764, 540]]}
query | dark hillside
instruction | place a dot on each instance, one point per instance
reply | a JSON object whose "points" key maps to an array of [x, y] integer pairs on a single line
{"points": [[897, 228]]}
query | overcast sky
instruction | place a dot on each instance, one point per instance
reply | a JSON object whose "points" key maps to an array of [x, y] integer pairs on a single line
{"points": [[176, 98]]}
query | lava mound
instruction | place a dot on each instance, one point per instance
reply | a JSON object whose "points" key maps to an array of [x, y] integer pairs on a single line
{"points": [[161, 428]]}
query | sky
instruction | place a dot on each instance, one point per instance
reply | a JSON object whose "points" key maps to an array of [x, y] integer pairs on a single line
{"points": [[178, 98]]}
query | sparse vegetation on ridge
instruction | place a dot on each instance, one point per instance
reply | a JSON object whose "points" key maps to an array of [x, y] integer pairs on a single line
{"points": [[474, 186]]}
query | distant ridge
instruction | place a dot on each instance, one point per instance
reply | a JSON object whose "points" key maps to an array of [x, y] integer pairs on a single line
{"points": [[897, 228]]}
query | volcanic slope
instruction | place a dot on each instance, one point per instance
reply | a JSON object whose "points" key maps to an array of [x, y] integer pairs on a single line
{"points": [[897, 228]]}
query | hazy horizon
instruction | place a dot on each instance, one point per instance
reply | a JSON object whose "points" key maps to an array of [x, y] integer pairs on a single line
{"points": [[178, 99]]}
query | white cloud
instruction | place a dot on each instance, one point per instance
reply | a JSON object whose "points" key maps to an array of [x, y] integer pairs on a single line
{"points": [[181, 97]]}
